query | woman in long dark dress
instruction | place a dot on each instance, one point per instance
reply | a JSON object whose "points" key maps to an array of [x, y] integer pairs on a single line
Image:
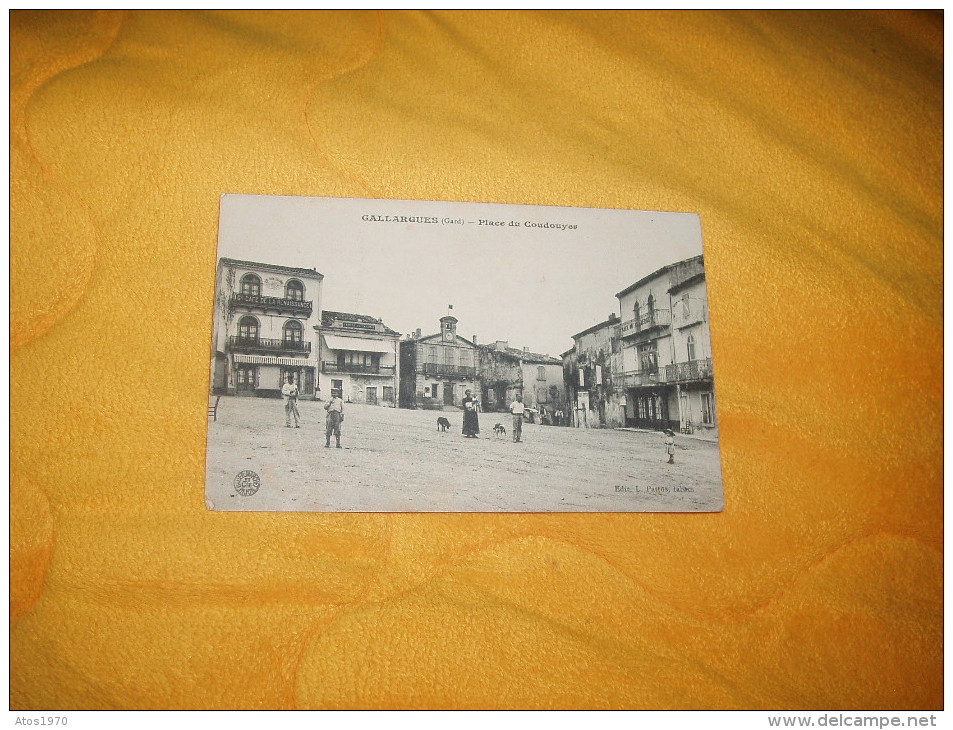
{"points": [[471, 422]]}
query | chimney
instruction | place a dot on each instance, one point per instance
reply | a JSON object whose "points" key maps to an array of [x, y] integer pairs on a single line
{"points": [[525, 350], [502, 344], [474, 339], [417, 333]]}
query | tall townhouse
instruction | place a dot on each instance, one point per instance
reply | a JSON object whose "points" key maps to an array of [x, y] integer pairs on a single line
{"points": [[438, 369], [592, 371], [262, 328], [666, 350], [359, 357], [691, 372], [645, 337]]}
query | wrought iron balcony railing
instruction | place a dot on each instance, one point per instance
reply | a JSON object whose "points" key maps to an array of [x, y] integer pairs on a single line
{"points": [[683, 372], [645, 377], [258, 343], [299, 306]]}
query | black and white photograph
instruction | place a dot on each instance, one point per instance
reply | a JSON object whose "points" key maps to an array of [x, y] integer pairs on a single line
{"points": [[411, 356]]}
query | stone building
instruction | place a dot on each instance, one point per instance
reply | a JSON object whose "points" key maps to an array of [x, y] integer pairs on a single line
{"points": [[592, 371], [666, 350], [507, 371], [263, 328], [437, 370], [359, 357]]}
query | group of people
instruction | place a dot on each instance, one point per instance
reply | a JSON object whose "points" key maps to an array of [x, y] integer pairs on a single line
{"points": [[471, 421], [334, 408]]}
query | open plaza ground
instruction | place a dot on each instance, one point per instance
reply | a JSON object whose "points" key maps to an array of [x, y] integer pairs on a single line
{"points": [[395, 460]]}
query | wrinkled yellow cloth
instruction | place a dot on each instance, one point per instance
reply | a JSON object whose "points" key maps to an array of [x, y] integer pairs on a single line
{"points": [[809, 143]]}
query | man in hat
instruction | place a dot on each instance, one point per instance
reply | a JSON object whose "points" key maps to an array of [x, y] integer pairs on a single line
{"points": [[290, 391], [335, 409]]}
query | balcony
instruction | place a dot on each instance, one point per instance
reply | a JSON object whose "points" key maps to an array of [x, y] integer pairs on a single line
{"points": [[435, 368], [355, 368], [692, 312], [655, 319], [262, 345], [279, 304], [685, 372], [645, 377]]}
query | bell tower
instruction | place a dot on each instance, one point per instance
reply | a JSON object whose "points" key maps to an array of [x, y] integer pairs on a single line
{"points": [[448, 328]]}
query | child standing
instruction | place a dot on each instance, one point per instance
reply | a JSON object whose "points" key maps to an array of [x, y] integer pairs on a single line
{"points": [[670, 445]]}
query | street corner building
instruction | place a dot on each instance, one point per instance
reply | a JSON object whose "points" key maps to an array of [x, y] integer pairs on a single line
{"points": [[359, 357], [650, 366], [263, 328]]}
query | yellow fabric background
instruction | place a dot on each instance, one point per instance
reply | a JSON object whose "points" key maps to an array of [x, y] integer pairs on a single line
{"points": [[809, 143]]}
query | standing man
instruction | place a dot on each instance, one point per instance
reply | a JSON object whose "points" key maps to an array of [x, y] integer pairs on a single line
{"points": [[335, 409], [517, 408], [290, 391]]}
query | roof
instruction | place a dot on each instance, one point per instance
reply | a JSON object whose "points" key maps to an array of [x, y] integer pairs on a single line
{"points": [[271, 267], [533, 357], [655, 274], [596, 327], [328, 316], [439, 336]]}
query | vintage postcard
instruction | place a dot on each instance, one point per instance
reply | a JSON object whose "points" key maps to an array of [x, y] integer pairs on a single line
{"points": [[409, 356]]}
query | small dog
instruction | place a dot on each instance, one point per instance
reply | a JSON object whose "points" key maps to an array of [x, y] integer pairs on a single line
{"points": [[442, 424], [500, 430]]}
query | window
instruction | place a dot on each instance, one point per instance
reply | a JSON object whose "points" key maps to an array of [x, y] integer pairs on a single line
{"points": [[388, 394], [541, 373], [291, 334], [708, 409], [251, 285], [636, 311], [245, 377], [691, 348], [432, 355], [651, 306], [248, 329], [294, 290], [451, 355], [648, 358]]}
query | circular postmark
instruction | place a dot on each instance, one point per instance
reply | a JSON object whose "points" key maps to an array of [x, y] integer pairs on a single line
{"points": [[247, 483]]}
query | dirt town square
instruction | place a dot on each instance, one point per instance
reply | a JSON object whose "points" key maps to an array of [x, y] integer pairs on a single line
{"points": [[396, 460]]}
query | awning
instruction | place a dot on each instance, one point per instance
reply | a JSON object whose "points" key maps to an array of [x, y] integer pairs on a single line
{"points": [[267, 360], [359, 344]]}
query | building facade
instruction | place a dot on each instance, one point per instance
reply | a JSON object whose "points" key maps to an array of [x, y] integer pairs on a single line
{"points": [[691, 372], [645, 337], [666, 350], [650, 366], [437, 370], [359, 356], [506, 371], [592, 372], [263, 328]]}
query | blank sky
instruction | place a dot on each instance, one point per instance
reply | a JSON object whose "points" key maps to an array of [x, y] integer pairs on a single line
{"points": [[534, 287]]}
